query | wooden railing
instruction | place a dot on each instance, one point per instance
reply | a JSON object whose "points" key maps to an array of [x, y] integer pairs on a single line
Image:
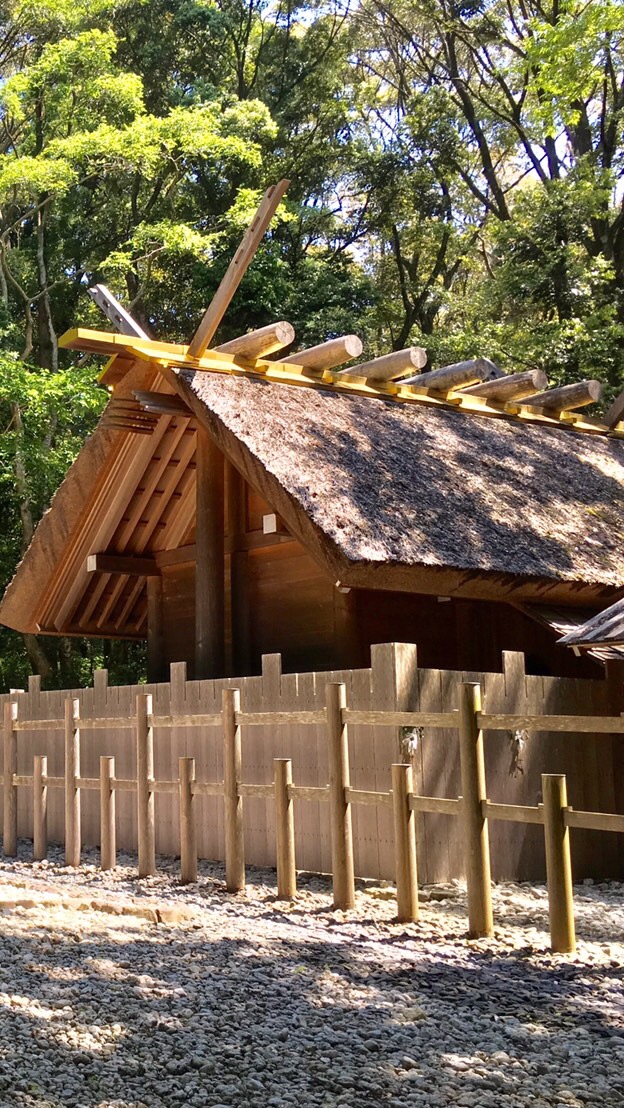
{"points": [[473, 808]]}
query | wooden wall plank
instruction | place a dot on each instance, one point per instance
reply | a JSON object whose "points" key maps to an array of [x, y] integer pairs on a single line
{"points": [[210, 564]]}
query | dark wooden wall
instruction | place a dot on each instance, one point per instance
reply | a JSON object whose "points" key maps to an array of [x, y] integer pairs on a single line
{"points": [[178, 616], [288, 605], [464, 634]]}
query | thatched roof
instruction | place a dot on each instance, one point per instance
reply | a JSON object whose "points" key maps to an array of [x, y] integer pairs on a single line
{"points": [[416, 485], [419, 497]]}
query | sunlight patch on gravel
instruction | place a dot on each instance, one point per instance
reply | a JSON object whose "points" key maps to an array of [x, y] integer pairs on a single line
{"points": [[117, 992]]}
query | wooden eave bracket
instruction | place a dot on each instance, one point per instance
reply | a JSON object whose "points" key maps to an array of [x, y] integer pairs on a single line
{"points": [[126, 564]]}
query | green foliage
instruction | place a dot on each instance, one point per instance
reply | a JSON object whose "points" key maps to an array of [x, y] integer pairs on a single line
{"points": [[566, 56], [58, 410]]}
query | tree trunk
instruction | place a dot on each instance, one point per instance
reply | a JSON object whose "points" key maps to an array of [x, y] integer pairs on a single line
{"points": [[48, 344], [37, 656], [66, 651]]}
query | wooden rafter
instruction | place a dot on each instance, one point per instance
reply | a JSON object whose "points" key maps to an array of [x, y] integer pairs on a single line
{"points": [[187, 452], [159, 467], [128, 530], [181, 519], [87, 610], [118, 586], [97, 528], [130, 604], [160, 403]]}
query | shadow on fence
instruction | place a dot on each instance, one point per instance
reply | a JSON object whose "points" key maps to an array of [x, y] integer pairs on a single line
{"points": [[473, 808]]}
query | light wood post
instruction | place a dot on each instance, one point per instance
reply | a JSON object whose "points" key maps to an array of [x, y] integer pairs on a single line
{"points": [[145, 792], [9, 822], [405, 843], [340, 809], [108, 830], [40, 808], [210, 560], [474, 823], [188, 832], [72, 773], [285, 830], [232, 762], [558, 864]]}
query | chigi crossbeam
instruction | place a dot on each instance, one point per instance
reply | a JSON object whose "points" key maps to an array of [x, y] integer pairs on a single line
{"points": [[476, 385]]}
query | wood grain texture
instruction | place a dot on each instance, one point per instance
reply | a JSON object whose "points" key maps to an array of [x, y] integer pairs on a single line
{"points": [[285, 830], [558, 865], [232, 764], [188, 830], [405, 843], [475, 829], [237, 269], [210, 564], [145, 793], [343, 874], [40, 808], [73, 829], [108, 824], [9, 824]]}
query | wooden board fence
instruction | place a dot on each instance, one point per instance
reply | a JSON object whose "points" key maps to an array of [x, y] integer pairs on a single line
{"points": [[593, 763], [473, 809]]}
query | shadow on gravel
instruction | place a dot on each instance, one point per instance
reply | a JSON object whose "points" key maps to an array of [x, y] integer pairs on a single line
{"points": [[201, 1022], [589, 927]]}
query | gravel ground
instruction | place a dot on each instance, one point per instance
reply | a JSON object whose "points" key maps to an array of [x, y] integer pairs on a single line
{"points": [[120, 993]]}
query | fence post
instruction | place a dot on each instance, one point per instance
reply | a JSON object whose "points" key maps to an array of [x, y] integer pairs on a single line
{"points": [[232, 762], [558, 864], [475, 828], [72, 773], [285, 830], [405, 843], [145, 792], [9, 823], [40, 808], [108, 831], [340, 809], [188, 832]]}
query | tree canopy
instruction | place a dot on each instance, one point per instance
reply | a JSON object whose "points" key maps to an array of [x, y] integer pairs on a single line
{"points": [[456, 171]]}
